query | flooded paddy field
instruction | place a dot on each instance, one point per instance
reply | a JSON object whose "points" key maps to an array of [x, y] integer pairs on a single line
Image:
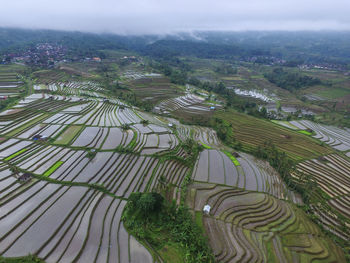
{"points": [[70, 160]]}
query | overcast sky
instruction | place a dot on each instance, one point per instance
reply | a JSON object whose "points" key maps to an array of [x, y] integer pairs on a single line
{"points": [[167, 16]]}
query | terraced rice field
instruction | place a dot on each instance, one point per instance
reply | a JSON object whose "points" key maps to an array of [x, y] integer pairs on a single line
{"points": [[203, 135], [332, 176], [331, 173], [46, 77], [133, 75], [81, 158], [88, 192], [255, 227], [189, 101], [74, 88], [154, 89], [248, 173], [88, 228], [338, 138], [10, 84], [252, 132]]}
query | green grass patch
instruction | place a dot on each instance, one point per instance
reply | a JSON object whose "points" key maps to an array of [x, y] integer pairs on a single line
{"points": [[53, 168], [15, 154], [305, 132], [232, 158], [204, 145], [332, 93], [68, 135], [171, 252], [199, 219], [10, 68], [26, 259], [133, 141], [232, 78]]}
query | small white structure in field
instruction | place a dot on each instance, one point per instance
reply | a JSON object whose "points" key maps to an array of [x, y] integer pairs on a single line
{"points": [[170, 124], [206, 209]]}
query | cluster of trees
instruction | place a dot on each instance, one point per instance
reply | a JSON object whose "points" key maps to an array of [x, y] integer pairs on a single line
{"points": [[226, 69], [173, 68], [290, 80], [305, 185], [7, 102], [151, 218], [279, 160], [26, 259], [192, 148], [223, 129]]}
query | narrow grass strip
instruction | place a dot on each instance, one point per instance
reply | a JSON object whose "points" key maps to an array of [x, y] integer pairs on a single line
{"points": [[232, 158], [15, 154], [53, 168], [205, 145], [305, 132]]}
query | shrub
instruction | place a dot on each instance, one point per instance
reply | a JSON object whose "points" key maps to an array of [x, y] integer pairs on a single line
{"points": [[160, 224]]}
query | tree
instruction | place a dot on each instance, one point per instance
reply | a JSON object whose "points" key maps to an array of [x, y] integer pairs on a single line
{"points": [[145, 203], [125, 126], [144, 122]]}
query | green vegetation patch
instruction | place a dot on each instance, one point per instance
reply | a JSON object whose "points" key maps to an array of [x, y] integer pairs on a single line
{"points": [[305, 132], [205, 146], [169, 230], [68, 135], [232, 158], [15, 154], [252, 132], [26, 259], [332, 93], [53, 168], [291, 80]]}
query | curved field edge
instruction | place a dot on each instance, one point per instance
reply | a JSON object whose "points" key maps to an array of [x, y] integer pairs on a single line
{"points": [[252, 132], [264, 228]]}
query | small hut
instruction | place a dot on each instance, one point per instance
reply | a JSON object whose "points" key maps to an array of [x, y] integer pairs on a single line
{"points": [[25, 177], [236, 154], [206, 209]]}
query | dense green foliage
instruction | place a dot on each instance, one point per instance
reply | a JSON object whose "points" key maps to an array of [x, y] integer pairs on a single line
{"points": [[7, 102], [223, 129], [279, 160], [305, 186], [226, 69], [173, 68], [162, 225], [26, 259], [290, 81]]}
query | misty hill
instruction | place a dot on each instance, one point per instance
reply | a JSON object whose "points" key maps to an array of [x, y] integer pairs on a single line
{"points": [[296, 47]]}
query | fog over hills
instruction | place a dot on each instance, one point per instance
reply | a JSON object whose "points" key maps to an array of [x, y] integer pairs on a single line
{"points": [[159, 17]]}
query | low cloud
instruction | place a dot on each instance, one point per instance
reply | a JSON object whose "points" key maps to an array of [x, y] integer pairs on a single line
{"points": [[164, 16]]}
